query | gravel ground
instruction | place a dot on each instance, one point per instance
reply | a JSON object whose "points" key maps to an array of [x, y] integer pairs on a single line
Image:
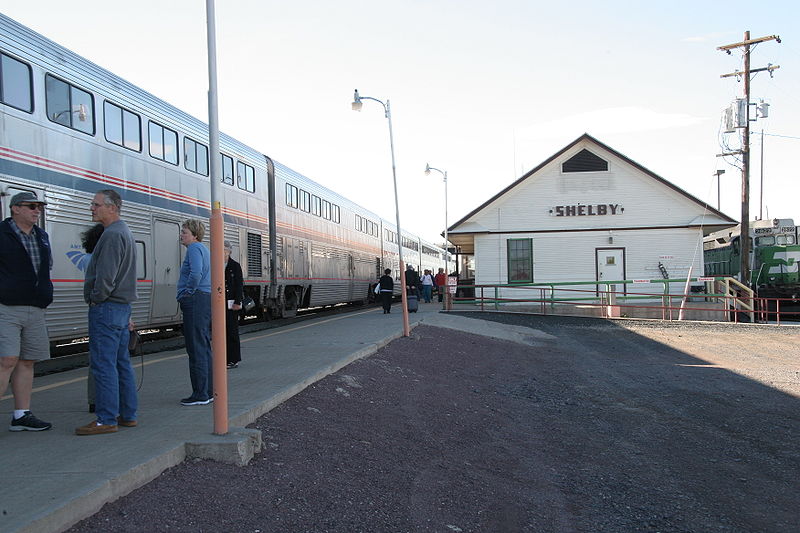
{"points": [[612, 426]]}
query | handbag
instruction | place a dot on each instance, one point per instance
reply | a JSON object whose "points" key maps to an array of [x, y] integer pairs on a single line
{"points": [[248, 303], [377, 289], [133, 342]]}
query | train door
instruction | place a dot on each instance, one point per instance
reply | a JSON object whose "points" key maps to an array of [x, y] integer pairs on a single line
{"points": [[610, 265], [166, 270]]}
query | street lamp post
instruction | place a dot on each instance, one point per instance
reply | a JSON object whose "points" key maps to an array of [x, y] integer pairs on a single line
{"points": [[719, 173], [357, 103], [428, 169]]}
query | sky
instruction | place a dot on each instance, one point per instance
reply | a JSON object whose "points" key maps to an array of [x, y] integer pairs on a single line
{"points": [[483, 90]]}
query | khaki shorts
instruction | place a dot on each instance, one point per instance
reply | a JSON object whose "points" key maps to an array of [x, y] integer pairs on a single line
{"points": [[23, 332]]}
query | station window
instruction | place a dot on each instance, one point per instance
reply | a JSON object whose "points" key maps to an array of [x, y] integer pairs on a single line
{"points": [[520, 260], [316, 208], [68, 105], [227, 169], [16, 85], [291, 195], [335, 213], [163, 143], [122, 127], [245, 177], [195, 156], [305, 201]]}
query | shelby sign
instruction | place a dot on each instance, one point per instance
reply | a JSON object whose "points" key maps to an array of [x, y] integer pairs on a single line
{"points": [[581, 210]]}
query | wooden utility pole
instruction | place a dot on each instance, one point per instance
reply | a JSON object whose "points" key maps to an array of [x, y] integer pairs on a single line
{"points": [[744, 234]]}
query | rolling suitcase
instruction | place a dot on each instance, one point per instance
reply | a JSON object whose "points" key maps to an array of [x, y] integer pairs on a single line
{"points": [[413, 303]]}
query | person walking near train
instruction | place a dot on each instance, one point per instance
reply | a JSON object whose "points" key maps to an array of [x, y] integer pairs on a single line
{"points": [[441, 283], [109, 288], [412, 281], [427, 285], [234, 294], [194, 297], [25, 291], [386, 284]]}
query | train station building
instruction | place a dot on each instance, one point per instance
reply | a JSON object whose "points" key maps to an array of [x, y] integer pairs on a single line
{"points": [[588, 213]]}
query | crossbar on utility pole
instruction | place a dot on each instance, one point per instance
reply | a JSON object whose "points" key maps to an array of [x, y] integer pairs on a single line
{"points": [[744, 234]]}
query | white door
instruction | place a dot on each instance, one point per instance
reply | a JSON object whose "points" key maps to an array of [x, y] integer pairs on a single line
{"points": [[610, 264], [167, 268]]}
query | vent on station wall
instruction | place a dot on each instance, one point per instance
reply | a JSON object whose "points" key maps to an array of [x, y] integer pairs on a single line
{"points": [[584, 161]]}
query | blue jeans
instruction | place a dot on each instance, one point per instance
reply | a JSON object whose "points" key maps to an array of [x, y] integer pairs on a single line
{"points": [[196, 309], [115, 380], [426, 292]]}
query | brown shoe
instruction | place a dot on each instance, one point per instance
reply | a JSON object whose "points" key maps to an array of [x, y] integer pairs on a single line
{"points": [[93, 428], [126, 423]]}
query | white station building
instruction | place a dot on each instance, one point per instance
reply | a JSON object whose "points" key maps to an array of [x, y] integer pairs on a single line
{"points": [[588, 213]]}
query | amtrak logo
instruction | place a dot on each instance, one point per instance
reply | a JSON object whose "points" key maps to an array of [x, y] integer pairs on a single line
{"points": [[79, 259]]}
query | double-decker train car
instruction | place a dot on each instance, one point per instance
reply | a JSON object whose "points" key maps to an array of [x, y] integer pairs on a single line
{"points": [[69, 128], [774, 256]]}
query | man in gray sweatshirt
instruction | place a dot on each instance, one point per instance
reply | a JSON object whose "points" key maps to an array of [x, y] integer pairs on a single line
{"points": [[109, 289]]}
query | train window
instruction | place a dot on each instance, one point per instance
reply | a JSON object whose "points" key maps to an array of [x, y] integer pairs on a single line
{"points": [[358, 222], [163, 143], [315, 205], [291, 195], [520, 260], [326, 209], [227, 169], [141, 263], [122, 127], [69, 106], [305, 201], [784, 240], [768, 240], [335, 213], [16, 87], [245, 177], [195, 156]]}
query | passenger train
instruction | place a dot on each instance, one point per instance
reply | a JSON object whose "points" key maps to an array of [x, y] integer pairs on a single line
{"points": [[69, 128], [774, 256]]}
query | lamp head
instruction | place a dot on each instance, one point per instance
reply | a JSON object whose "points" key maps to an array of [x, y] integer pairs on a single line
{"points": [[356, 105], [427, 169]]}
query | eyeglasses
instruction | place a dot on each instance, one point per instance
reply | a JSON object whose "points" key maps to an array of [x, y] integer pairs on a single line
{"points": [[33, 207]]}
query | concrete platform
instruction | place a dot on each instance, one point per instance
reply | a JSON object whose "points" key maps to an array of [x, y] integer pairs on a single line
{"points": [[50, 480]]}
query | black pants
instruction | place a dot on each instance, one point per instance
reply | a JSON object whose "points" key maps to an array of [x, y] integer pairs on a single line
{"points": [[386, 300], [233, 348]]}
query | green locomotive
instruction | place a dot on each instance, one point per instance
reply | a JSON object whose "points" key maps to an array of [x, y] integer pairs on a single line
{"points": [[774, 257]]}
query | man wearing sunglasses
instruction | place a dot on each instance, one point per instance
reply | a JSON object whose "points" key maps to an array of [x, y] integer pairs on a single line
{"points": [[25, 292]]}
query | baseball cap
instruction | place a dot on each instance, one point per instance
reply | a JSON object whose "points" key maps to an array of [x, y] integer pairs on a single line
{"points": [[26, 196]]}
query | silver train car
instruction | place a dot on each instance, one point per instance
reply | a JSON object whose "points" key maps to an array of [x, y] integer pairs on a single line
{"points": [[69, 128]]}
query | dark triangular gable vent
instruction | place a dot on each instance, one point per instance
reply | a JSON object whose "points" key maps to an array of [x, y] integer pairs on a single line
{"points": [[584, 161]]}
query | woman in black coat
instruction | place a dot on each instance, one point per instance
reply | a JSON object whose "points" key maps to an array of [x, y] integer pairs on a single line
{"points": [[386, 284], [234, 293]]}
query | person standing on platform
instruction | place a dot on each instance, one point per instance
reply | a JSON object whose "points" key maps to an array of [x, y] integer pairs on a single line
{"points": [[441, 283], [412, 281], [109, 288], [427, 285], [386, 284], [25, 292], [234, 294], [194, 297]]}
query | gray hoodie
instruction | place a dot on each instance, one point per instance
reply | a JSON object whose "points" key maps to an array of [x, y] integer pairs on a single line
{"points": [[111, 274]]}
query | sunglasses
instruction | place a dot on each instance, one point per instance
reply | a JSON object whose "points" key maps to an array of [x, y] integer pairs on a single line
{"points": [[33, 207]]}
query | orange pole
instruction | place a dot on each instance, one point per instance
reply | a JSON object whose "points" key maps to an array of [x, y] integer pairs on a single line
{"points": [[404, 300], [218, 309]]}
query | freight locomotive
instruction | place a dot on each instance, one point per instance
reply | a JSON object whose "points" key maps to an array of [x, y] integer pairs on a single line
{"points": [[774, 256], [69, 128]]}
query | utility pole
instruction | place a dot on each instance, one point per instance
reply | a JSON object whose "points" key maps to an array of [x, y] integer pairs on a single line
{"points": [[744, 234]]}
